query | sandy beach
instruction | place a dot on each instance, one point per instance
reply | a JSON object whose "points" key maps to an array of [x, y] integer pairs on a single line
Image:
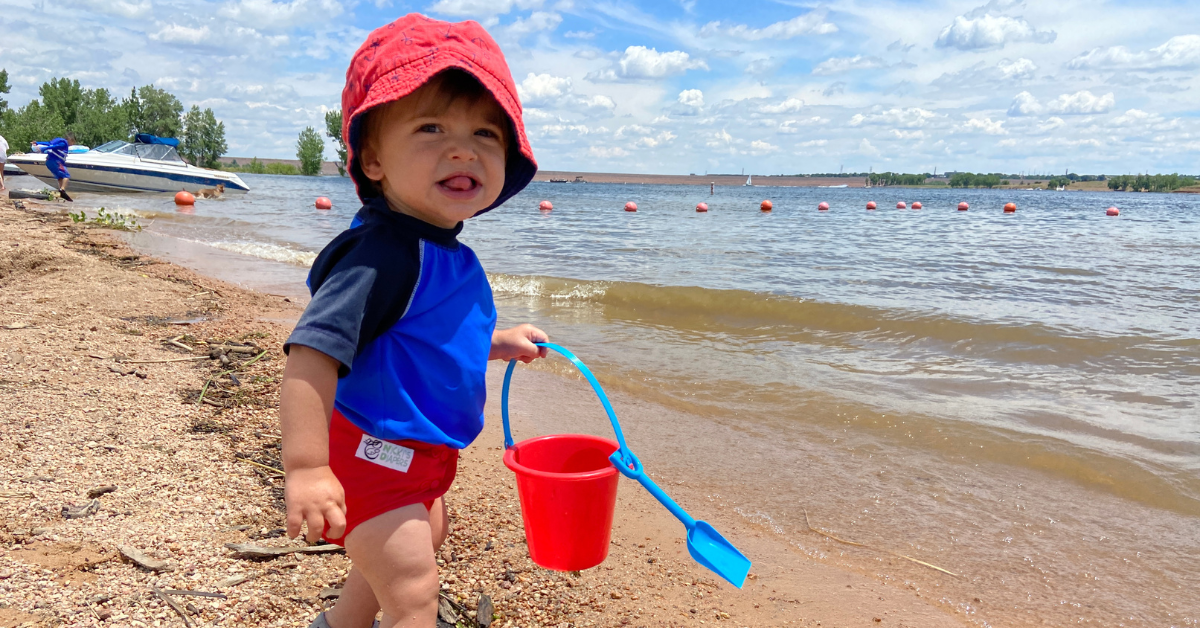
{"points": [[125, 483]]}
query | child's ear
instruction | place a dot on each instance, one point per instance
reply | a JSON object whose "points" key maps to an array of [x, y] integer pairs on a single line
{"points": [[368, 161]]}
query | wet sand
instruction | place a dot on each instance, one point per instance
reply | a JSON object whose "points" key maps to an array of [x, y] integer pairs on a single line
{"points": [[80, 308]]}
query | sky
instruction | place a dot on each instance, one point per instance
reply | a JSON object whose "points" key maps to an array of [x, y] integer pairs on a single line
{"points": [[689, 86]]}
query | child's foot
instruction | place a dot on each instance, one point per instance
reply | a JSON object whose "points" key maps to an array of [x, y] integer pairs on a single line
{"points": [[67, 197]]}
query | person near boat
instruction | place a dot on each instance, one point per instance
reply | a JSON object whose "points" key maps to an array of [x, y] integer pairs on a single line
{"points": [[3, 160], [385, 375], [56, 161]]}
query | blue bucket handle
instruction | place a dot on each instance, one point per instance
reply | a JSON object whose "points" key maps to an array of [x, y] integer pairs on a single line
{"points": [[627, 463]]}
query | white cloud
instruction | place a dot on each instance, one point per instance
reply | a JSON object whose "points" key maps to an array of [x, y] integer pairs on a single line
{"points": [[759, 67], [1051, 123], [985, 125], [122, 8], [811, 23], [640, 62], [990, 31], [811, 143], [477, 8], [791, 105], [759, 147], [176, 34], [1178, 53], [1019, 69], [1081, 103], [912, 117], [539, 88], [277, 16], [1024, 104], [579, 35], [691, 98], [604, 152], [536, 22], [837, 65], [907, 135], [794, 126], [661, 138], [866, 148]]}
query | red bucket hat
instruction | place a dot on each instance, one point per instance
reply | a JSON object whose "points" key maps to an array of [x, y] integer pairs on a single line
{"points": [[398, 58]]}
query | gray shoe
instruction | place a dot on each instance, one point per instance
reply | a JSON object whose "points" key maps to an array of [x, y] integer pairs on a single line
{"points": [[321, 622]]}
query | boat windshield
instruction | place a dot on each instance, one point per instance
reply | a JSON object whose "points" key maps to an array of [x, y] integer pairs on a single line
{"points": [[158, 152], [110, 147]]}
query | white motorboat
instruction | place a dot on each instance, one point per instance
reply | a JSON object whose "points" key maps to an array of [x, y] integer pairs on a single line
{"points": [[149, 164]]}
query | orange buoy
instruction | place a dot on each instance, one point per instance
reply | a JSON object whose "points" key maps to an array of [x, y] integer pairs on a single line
{"points": [[871, 205], [323, 202], [631, 206], [1010, 208], [545, 206], [901, 205], [823, 206], [1113, 211], [183, 197], [917, 205], [766, 206], [701, 207], [962, 207]]}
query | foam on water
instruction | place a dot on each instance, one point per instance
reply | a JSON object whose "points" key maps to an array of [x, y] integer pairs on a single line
{"points": [[268, 251]]}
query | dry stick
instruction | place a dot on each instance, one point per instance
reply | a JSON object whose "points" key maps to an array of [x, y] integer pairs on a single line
{"points": [[192, 359], [919, 562], [220, 375], [195, 593], [173, 604], [262, 466]]}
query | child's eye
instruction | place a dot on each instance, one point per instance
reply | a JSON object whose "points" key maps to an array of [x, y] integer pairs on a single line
{"points": [[487, 133], [428, 128]]}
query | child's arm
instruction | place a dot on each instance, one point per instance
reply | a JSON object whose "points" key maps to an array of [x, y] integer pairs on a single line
{"points": [[517, 342], [312, 492]]}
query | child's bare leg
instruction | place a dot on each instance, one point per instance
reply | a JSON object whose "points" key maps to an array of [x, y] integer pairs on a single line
{"points": [[356, 606], [394, 553]]}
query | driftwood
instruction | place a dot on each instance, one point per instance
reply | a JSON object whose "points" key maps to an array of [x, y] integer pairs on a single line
{"points": [[100, 490], [79, 512], [195, 593], [142, 560], [249, 550], [233, 581]]}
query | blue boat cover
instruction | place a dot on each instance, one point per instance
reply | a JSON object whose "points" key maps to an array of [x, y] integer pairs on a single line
{"points": [[146, 138]]}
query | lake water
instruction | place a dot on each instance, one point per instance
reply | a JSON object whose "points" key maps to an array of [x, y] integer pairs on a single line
{"points": [[1012, 397]]}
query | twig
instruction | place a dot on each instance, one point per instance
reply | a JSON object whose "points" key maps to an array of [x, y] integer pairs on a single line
{"points": [[262, 466], [191, 359], [173, 604], [919, 562], [195, 593], [15, 495], [220, 375]]}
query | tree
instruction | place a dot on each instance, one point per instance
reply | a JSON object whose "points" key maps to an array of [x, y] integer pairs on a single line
{"points": [[191, 141], [203, 140], [62, 96], [4, 89], [310, 149], [214, 140], [33, 122], [99, 118], [333, 128], [155, 111]]}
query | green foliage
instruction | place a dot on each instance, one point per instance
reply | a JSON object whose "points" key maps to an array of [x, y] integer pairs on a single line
{"points": [[107, 220], [203, 140], [5, 88], [971, 180], [310, 149], [99, 118], [281, 168], [63, 97], [1150, 182], [153, 110], [895, 178], [33, 122], [333, 128], [1057, 182]]}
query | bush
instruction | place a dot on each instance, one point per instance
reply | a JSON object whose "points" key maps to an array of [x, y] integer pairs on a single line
{"points": [[281, 168]]}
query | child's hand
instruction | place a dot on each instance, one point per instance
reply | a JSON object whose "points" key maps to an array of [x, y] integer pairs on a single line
{"points": [[313, 494], [517, 343]]}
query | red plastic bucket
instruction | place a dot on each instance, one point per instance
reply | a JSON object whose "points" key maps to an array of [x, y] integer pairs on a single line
{"points": [[568, 491]]}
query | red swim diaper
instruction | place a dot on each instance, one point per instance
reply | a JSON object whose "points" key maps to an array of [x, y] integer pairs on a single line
{"points": [[379, 475]]}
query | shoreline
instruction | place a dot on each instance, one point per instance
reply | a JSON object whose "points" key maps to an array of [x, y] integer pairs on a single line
{"points": [[76, 423]]}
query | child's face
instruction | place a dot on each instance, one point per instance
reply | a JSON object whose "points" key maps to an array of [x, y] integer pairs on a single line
{"points": [[442, 167]]}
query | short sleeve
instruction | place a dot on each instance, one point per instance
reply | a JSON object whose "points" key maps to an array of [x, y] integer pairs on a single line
{"points": [[361, 285]]}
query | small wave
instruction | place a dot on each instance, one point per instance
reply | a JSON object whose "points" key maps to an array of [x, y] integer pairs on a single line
{"points": [[268, 251], [558, 290]]}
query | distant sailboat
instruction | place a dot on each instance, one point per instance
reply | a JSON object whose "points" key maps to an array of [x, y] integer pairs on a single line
{"points": [[748, 184]]}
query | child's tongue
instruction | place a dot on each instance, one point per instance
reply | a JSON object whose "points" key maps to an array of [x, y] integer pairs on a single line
{"points": [[459, 183]]}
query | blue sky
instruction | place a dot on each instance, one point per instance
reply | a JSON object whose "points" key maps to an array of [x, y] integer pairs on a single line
{"points": [[689, 86]]}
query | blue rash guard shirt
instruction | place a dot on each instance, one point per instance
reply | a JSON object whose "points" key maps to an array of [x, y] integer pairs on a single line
{"points": [[56, 156], [407, 311]]}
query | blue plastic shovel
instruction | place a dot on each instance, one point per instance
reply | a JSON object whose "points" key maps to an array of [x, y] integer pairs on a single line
{"points": [[704, 543]]}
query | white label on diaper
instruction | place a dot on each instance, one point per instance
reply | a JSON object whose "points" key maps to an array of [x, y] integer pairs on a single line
{"points": [[384, 453]]}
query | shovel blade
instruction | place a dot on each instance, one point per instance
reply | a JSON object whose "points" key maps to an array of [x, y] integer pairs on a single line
{"points": [[710, 549]]}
